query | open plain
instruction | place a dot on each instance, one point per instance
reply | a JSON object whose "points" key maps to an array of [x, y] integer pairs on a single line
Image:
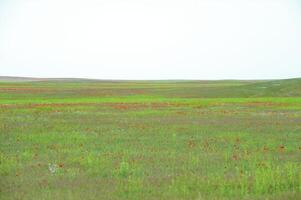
{"points": [[89, 139]]}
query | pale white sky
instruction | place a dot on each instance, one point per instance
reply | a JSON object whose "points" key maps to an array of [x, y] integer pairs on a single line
{"points": [[151, 39]]}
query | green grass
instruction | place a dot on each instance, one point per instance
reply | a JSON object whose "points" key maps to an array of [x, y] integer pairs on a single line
{"points": [[150, 140]]}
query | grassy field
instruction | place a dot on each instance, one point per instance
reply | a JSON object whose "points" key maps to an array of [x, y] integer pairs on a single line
{"points": [[81, 139]]}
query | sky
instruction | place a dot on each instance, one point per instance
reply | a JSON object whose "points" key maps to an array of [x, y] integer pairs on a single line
{"points": [[151, 39]]}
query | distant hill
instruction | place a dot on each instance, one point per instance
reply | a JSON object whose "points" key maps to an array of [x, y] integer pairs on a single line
{"points": [[17, 79], [260, 88], [178, 88], [263, 88], [288, 87], [31, 79]]}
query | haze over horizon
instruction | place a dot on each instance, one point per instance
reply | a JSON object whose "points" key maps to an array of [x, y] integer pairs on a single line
{"points": [[151, 39]]}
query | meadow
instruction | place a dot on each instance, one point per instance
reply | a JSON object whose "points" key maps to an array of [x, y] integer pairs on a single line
{"points": [[88, 139]]}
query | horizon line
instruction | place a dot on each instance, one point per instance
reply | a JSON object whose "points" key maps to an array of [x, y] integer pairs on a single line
{"points": [[111, 79]]}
